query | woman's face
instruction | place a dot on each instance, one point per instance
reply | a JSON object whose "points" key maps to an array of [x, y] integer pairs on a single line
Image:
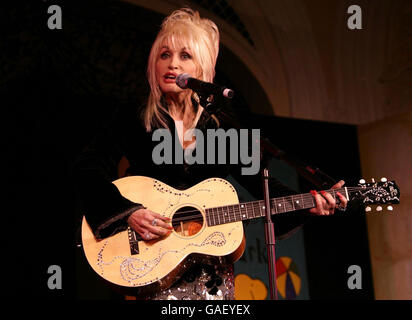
{"points": [[170, 63]]}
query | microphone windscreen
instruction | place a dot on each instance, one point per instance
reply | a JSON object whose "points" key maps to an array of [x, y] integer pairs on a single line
{"points": [[181, 80]]}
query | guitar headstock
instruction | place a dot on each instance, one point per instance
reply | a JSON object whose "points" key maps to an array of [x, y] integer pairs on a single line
{"points": [[379, 193]]}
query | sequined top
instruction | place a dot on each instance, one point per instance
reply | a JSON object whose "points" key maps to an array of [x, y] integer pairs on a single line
{"points": [[201, 282]]}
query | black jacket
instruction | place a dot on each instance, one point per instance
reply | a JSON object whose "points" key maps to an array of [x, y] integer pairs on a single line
{"points": [[107, 210]]}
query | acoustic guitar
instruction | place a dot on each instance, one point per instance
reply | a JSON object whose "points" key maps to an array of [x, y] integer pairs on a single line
{"points": [[207, 220]]}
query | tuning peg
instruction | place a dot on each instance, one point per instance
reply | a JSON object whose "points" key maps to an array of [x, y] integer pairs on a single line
{"points": [[373, 180], [368, 209], [362, 181], [389, 208], [378, 208], [384, 179]]}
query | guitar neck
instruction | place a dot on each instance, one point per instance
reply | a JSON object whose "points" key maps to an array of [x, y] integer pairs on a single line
{"points": [[257, 209]]}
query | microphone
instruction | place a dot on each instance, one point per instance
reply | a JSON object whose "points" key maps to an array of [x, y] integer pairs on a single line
{"points": [[185, 81]]}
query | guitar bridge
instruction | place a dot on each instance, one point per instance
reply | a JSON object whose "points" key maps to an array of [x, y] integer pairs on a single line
{"points": [[133, 241]]}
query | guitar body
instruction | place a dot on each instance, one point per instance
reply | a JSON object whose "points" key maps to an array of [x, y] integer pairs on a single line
{"points": [[157, 264]]}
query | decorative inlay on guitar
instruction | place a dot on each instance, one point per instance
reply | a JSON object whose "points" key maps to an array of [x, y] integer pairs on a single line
{"points": [[207, 220]]}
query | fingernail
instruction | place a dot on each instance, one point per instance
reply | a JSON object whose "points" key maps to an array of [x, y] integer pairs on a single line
{"points": [[323, 193], [313, 192]]}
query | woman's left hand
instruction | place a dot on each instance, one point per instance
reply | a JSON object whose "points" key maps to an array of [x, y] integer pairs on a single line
{"points": [[325, 203]]}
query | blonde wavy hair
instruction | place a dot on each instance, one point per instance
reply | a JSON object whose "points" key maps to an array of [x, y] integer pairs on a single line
{"points": [[182, 28]]}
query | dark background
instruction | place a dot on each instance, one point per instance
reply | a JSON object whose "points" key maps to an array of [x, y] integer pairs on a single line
{"points": [[57, 87]]}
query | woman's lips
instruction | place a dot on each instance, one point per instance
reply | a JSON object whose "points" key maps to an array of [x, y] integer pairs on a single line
{"points": [[170, 77], [168, 80]]}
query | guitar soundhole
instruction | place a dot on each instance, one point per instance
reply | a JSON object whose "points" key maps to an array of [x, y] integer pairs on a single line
{"points": [[187, 221]]}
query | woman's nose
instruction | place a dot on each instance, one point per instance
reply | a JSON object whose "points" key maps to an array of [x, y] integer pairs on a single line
{"points": [[173, 63]]}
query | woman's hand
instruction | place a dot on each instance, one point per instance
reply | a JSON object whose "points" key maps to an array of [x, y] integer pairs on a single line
{"points": [[150, 225], [326, 204]]}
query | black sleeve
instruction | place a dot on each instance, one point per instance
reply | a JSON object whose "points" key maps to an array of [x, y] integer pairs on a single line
{"points": [[105, 209]]}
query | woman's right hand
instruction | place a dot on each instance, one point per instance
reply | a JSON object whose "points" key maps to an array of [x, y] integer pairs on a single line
{"points": [[150, 225]]}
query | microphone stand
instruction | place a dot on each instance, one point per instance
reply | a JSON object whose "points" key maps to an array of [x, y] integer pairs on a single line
{"points": [[267, 149], [270, 238]]}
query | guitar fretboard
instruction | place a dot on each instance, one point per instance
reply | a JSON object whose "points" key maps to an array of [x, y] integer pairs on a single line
{"points": [[257, 209]]}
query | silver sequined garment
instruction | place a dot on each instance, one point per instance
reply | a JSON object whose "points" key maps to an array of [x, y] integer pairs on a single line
{"points": [[202, 282]]}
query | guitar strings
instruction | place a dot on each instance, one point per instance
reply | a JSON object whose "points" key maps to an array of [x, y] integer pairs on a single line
{"points": [[287, 202]]}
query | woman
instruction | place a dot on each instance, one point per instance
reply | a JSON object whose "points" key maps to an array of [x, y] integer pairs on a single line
{"points": [[189, 44]]}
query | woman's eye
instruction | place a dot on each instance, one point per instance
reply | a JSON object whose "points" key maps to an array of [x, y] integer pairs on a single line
{"points": [[165, 55], [185, 56]]}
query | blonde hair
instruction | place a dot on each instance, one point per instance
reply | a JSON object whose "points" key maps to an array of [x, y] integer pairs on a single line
{"points": [[182, 28]]}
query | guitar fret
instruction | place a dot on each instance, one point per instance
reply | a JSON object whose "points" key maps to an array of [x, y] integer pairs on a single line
{"points": [[303, 202], [207, 216], [262, 208], [249, 208], [252, 213], [239, 213], [297, 202], [232, 215], [273, 208], [280, 206], [225, 214], [236, 209], [290, 205], [213, 216], [310, 202], [253, 209], [230, 211]]}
